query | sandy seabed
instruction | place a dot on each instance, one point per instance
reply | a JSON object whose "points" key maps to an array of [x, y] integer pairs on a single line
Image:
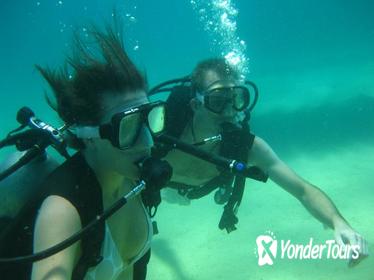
{"points": [[190, 245]]}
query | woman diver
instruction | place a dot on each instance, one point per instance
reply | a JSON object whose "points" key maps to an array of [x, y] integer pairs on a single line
{"points": [[101, 96]]}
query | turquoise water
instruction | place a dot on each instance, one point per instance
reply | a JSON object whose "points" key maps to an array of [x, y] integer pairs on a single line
{"points": [[314, 65]]}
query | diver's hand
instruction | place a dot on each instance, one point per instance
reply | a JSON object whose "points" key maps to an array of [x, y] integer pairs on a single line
{"points": [[345, 235]]}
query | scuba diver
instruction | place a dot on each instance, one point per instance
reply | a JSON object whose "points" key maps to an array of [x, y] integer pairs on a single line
{"points": [[101, 98], [211, 109]]}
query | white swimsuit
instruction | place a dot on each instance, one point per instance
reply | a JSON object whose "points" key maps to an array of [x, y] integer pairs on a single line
{"points": [[112, 264]]}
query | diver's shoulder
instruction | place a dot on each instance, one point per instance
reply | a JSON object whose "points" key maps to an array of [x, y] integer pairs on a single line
{"points": [[259, 144], [58, 209], [261, 153]]}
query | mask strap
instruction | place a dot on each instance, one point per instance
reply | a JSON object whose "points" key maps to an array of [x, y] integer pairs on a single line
{"points": [[87, 132]]}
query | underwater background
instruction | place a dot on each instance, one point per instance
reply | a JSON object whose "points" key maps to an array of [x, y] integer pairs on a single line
{"points": [[313, 62]]}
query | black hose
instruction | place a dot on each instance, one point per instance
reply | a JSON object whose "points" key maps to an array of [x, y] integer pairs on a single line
{"points": [[78, 235], [236, 167], [253, 85], [25, 159], [159, 87]]}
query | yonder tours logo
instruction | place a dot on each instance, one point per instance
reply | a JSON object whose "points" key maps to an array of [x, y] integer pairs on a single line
{"points": [[269, 249]]}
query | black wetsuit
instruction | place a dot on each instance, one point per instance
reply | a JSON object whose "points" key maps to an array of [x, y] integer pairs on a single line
{"points": [[75, 181]]}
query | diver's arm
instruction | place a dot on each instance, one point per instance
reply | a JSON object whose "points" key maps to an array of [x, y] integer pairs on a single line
{"points": [[58, 219], [313, 199]]}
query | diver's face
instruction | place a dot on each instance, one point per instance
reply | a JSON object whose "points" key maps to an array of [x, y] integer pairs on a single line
{"points": [[122, 161], [218, 99]]}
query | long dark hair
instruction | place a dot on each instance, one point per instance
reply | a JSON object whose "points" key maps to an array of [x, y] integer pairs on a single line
{"points": [[95, 69]]}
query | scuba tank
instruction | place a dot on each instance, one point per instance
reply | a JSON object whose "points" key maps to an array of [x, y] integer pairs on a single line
{"points": [[22, 172], [22, 186]]}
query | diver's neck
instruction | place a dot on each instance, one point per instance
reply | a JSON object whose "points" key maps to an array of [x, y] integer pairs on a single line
{"points": [[113, 186], [108, 178], [203, 129]]}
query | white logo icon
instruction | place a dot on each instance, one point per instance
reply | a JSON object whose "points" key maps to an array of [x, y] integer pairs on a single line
{"points": [[267, 249]]}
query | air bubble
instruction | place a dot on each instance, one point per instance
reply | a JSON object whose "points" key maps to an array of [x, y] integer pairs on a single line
{"points": [[219, 21]]}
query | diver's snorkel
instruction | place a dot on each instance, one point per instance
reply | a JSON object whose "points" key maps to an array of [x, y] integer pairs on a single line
{"points": [[155, 174]]}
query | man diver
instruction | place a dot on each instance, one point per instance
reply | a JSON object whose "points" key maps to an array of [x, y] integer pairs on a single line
{"points": [[216, 107]]}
